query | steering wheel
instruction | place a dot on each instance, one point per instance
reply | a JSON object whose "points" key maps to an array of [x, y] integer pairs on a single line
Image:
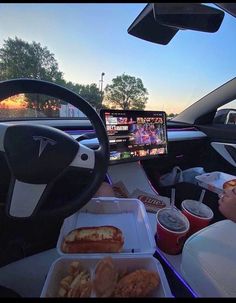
{"points": [[37, 155]]}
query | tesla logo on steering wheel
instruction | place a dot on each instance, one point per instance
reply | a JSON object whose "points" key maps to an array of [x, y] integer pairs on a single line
{"points": [[44, 141]]}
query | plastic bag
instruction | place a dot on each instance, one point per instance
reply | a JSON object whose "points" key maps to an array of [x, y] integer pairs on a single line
{"points": [[190, 174], [178, 175], [171, 178]]}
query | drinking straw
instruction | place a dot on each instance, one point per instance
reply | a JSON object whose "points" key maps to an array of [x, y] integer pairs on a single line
{"points": [[172, 201], [202, 195], [201, 199]]}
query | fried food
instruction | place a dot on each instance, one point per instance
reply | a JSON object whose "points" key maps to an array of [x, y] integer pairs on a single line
{"points": [[120, 190], [77, 284], [106, 277], [108, 281], [229, 184], [122, 273], [81, 286], [66, 282], [93, 240], [137, 284], [74, 267]]}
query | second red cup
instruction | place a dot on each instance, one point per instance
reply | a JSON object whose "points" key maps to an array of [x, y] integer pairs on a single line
{"points": [[198, 214]]}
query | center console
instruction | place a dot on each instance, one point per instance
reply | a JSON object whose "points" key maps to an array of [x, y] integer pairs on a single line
{"points": [[135, 136]]}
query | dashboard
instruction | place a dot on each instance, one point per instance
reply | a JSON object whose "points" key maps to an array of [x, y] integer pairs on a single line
{"points": [[76, 128]]}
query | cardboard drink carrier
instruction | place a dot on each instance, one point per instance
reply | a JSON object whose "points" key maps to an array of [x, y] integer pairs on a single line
{"points": [[130, 216]]}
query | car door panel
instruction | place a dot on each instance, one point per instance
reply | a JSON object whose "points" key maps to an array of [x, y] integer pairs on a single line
{"points": [[222, 147], [226, 150]]}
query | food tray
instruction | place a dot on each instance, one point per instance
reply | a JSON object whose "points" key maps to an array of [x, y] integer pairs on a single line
{"points": [[214, 181], [129, 215], [59, 270]]}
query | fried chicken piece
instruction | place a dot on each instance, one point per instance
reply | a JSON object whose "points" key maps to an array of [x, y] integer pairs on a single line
{"points": [[105, 278], [137, 284], [122, 273]]}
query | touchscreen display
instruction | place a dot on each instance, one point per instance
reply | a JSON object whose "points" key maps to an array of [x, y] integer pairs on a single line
{"points": [[135, 135]]}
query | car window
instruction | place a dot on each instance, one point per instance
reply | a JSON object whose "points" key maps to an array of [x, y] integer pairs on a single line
{"points": [[226, 114], [37, 106]]}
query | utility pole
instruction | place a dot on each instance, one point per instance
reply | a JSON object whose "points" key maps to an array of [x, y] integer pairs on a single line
{"points": [[101, 87], [102, 75]]}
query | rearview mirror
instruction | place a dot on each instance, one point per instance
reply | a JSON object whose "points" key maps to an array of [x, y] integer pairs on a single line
{"points": [[193, 16], [145, 27]]}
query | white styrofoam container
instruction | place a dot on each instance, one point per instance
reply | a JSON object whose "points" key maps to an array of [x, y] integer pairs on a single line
{"points": [[214, 181], [59, 270], [127, 214], [139, 245]]}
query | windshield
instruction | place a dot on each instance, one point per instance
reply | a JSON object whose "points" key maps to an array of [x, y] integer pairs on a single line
{"points": [[86, 48], [37, 106]]}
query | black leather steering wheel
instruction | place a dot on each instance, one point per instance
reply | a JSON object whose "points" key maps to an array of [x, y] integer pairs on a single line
{"points": [[38, 155]]}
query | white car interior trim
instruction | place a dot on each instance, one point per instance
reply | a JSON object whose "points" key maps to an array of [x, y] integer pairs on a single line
{"points": [[220, 148], [25, 198], [172, 136], [185, 135], [55, 123], [85, 157]]}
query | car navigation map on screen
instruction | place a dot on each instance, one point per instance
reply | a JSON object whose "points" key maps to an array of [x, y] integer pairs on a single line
{"points": [[135, 135]]}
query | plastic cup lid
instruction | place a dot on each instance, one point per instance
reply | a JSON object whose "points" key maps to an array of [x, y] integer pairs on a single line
{"points": [[197, 208], [172, 219]]}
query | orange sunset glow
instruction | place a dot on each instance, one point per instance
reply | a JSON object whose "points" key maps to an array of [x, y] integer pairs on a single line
{"points": [[14, 102]]}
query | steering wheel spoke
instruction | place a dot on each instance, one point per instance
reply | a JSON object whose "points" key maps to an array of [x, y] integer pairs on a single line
{"points": [[85, 158], [24, 198]]}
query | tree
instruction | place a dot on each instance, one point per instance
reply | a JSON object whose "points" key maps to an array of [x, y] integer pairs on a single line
{"points": [[89, 92], [20, 59], [171, 115], [127, 92]]}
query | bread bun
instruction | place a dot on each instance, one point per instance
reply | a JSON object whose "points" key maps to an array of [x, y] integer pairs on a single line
{"points": [[229, 184], [100, 239]]}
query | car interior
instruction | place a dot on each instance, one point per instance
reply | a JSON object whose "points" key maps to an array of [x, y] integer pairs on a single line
{"points": [[51, 168]]}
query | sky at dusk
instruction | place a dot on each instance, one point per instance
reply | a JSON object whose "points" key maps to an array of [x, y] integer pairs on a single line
{"points": [[88, 39]]}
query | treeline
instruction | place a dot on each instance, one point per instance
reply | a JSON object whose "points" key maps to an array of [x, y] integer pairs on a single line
{"points": [[21, 59]]}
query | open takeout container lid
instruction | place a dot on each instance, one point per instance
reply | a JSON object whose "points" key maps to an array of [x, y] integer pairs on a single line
{"points": [[129, 215]]}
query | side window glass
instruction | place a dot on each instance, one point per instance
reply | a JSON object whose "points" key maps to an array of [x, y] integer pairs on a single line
{"points": [[226, 114]]}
